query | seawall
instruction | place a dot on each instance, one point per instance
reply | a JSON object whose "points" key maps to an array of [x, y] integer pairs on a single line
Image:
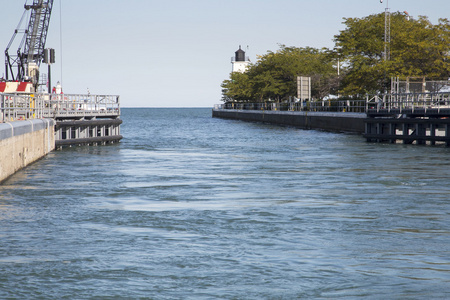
{"points": [[24, 142], [329, 121]]}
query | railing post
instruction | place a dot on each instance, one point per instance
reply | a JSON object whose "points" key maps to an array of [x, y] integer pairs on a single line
{"points": [[367, 103]]}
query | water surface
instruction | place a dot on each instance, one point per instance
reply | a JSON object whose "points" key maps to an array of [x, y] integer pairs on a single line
{"points": [[192, 207]]}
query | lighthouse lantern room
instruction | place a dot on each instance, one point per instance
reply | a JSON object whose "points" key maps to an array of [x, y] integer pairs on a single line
{"points": [[239, 61]]}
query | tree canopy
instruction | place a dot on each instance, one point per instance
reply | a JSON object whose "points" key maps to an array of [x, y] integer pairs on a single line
{"points": [[417, 49], [274, 75]]}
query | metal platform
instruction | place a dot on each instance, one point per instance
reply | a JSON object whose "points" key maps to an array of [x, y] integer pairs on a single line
{"points": [[80, 119], [421, 118]]}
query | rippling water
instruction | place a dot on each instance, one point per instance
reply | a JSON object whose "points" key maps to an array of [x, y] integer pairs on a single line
{"points": [[193, 207]]}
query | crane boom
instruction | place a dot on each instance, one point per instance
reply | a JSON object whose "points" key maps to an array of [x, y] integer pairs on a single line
{"points": [[25, 64], [37, 30]]}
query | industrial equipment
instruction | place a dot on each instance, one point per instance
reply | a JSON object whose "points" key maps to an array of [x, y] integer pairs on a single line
{"points": [[23, 66]]}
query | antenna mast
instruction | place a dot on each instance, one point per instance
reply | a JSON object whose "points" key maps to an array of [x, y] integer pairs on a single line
{"points": [[387, 32]]}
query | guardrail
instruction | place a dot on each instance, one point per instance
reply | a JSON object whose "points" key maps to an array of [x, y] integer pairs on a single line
{"points": [[383, 103], [15, 107], [323, 105], [409, 102]]}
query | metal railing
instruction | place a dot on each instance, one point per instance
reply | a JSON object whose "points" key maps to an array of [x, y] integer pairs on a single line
{"points": [[323, 105], [15, 107], [409, 102], [383, 103]]}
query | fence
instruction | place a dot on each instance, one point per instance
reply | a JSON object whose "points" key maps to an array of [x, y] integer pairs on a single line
{"points": [[419, 85], [409, 102], [324, 105], [386, 103], [15, 107]]}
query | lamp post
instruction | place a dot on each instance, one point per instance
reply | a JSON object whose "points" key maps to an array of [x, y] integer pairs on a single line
{"points": [[49, 58], [387, 31]]}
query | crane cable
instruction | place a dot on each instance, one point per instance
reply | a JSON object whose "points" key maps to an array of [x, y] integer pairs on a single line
{"points": [[60, 39]]}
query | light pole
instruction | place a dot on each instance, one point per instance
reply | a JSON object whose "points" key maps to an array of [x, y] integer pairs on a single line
{"points": [[49, 58], [387, 32]]}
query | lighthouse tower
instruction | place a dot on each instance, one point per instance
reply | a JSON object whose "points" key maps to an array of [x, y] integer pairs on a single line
{"points": [[240, 62]]}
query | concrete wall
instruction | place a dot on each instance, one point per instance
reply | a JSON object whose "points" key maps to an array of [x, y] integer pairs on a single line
{"points": [[330, 121], [23, 142]]}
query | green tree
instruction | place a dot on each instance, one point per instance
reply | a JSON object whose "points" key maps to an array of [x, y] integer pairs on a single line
{"points": [[236, 88], [417, 48], [274, 75]]}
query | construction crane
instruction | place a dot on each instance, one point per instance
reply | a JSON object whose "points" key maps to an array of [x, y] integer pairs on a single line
{"points": [[24, 65]]}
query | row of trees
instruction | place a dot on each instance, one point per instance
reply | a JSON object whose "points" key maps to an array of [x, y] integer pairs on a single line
{"points": [[417, 49]]}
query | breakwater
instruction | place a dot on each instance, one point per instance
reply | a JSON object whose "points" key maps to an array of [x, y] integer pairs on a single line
{"points": [[409, 118], [32, 125], [329, 121], [24, 142]]}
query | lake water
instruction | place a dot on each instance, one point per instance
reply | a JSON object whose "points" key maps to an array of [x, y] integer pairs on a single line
{"points": [[192, 207]]}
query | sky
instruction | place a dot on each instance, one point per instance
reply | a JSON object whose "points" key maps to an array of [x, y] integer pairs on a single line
{"points": [[176, 53]]}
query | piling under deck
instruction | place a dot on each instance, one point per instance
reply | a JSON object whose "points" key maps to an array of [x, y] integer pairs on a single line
{"points": [[419, 126]]}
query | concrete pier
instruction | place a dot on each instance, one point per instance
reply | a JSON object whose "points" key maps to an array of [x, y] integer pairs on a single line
{"points": [[32, 125], [410, 118], [24, 142], [329, 121]]}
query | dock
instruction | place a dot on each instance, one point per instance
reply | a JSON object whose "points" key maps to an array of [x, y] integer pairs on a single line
{"points": [[79, 119], [408, 118], [32, 125], [421, 118]]}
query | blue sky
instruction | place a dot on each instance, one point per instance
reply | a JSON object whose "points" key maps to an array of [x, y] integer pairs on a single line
{"points": [[176, 53]]}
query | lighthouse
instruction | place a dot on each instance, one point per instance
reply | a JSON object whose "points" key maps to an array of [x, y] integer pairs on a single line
{"points": [[239, 62]]}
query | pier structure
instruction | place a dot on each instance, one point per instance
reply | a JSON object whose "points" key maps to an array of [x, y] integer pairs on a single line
{"points": [[410, 118], [421, 118], [337, 116], [79, 119]]}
